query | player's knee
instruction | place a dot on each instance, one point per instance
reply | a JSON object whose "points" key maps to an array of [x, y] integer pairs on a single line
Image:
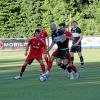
{"points": [[65, 62], [69, 69], [58, 61], [59, 64], [41, 62], [52, 58], [63, 66], [45, 55]]}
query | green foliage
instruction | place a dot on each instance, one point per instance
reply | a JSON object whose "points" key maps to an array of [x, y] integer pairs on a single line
{"points": [[18, 18]]}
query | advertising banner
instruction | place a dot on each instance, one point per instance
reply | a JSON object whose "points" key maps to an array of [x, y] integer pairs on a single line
{"points": [[19, 44], [11, 44]]}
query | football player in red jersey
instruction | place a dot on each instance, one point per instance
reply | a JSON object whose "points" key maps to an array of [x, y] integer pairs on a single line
{"points": [[44, 37], [35, 44]]}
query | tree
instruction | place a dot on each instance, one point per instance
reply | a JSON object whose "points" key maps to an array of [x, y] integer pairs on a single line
{"points": [[18, 18]]}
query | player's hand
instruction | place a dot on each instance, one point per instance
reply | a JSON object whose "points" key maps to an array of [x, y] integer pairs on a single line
{"points": [[47, 50], [75, 44], [25, 53]]}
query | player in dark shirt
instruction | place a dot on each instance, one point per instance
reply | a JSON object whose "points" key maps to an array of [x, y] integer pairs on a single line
{"points": [[59, 37], [76, 42]]}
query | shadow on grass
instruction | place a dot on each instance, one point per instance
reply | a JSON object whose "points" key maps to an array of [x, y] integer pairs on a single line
{"points": [[91, 71], [4, 61]]}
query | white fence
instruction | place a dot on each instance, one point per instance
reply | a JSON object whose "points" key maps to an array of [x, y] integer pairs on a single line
{"points": [[87, 42], [91, 42]]}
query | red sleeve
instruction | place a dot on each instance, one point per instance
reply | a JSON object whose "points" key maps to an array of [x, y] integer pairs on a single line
{"points": [[69, 34], [45, 34], [42, 43]]}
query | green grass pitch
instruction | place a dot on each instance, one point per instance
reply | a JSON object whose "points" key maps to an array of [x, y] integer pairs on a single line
{"points": [[57, 87]]}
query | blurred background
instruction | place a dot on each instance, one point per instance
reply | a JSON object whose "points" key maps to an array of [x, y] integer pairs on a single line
{"points": [[18, 18]]}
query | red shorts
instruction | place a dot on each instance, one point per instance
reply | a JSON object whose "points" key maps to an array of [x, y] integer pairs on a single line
{"points": [[30, 58], [43, 50]]}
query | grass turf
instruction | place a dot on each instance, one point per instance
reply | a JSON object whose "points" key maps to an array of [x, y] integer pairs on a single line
{"points": [[57, 87]]}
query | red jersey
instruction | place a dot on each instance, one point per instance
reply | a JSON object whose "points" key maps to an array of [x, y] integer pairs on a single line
{"points": [[68, 34], [35, 46], [44, 35]]}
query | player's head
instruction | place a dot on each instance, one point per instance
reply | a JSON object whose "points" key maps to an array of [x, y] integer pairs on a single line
{"points": [[37, 33], [74, 24], [44, 28], [53, 27], [39, 27], [62, 26]]}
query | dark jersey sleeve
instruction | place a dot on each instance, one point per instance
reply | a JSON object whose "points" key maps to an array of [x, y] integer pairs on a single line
{"points": [[53, 36], [78, 30]]}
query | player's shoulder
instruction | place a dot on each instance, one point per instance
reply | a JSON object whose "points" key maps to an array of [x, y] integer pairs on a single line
{"points": [[32, 39], [78, 28], [44, 33], [60, 32]]}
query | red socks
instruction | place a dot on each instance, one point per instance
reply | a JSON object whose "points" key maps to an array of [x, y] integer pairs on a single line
{"points": [[49, 65], [43, 68]]}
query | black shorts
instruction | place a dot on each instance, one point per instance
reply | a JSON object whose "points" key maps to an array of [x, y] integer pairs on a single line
{"points": [[75, 49], [63, 54]]}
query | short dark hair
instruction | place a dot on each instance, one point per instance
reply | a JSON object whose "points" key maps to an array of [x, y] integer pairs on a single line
{"points": [[37, 30], [62, 24], [38, 25], [74, 22]]}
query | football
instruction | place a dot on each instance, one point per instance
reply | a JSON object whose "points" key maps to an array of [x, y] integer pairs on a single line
{"points": [[43, 78]]}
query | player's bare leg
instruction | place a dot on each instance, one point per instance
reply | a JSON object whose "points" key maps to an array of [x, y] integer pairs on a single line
{"points": [[23, 67], [42, 65], [46, 58], [81, 59]]}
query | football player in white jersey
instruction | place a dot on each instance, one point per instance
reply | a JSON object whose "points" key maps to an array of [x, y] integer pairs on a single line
{"points": [[76, 42]]}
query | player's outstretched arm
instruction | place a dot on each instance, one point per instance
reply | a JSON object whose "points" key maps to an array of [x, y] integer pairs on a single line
{"points": [[81, 36], [42, 42], [27, 48], [48, 41], [48, 49]]}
